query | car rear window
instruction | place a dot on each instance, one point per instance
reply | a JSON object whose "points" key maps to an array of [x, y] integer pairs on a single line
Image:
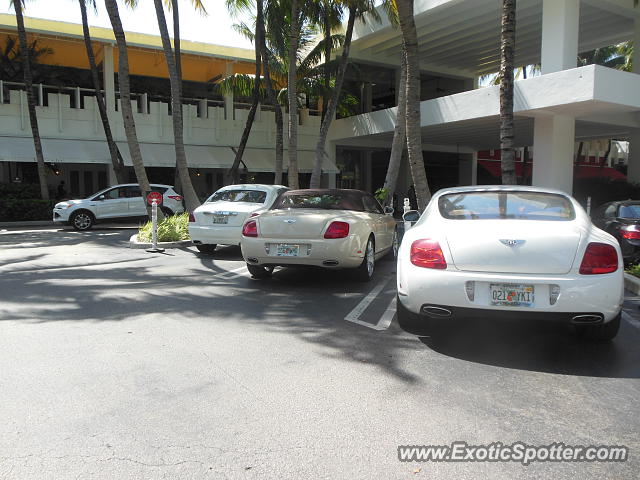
{"points": [[506, 205], [629, 211], [323, 201], [247, 196]]}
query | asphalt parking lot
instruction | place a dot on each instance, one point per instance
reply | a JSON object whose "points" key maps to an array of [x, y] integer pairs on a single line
{"points": [[118, 363]]}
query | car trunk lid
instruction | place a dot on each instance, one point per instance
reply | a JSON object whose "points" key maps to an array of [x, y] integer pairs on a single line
{"points": [[296, 223], [535, 247]]}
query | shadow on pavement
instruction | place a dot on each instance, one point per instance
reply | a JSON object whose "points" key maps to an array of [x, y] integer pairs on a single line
{"points": [[541, 347]]}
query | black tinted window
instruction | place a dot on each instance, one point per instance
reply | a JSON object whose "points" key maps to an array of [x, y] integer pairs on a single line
{"points": [[247, 196], [629, 211]]}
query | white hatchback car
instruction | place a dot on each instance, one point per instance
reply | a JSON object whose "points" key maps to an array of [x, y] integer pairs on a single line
{"points": [[510, 251], [117, 202], [219, 220]]}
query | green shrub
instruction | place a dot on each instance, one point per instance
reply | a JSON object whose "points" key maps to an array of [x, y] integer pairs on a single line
{"points": [[20, 210], [171, 229], [30, 191], [634, 270]]}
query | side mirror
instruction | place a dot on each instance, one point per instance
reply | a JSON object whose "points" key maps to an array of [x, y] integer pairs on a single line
{"points": [[388, 210], [101, 197], [411, 216]]}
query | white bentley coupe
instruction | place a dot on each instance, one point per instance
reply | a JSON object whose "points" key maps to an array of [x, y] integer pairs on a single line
{"points": [[218, 221], [330, 228], [510, 251]]}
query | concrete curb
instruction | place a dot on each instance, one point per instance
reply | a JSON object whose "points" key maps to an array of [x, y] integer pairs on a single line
{"points": [[133, 243], [632, 283]]}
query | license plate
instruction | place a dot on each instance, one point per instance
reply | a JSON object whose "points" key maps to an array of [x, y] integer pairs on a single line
{"points": [[511, 295], [220, 219], [284, 250]]}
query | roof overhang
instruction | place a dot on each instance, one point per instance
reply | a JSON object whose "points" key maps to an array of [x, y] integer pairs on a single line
{"points": [[463, 36], [604, 102]]}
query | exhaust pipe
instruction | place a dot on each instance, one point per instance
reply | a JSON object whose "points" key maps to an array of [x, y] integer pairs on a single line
{"points": [[434, 311], [587, 319], [252, 260]]}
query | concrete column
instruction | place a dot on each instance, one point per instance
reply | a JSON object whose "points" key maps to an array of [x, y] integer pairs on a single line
{"points": [[474, 168], [560, 26], [636, 41], [108, 80], [553, 144], [465, 169], [367, 97], [228, 98], [633, 163]]}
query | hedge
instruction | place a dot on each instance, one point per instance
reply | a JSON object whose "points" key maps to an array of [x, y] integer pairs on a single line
{"points": [[20, 209]]}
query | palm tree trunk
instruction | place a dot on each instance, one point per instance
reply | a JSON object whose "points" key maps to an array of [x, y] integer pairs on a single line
{"points": [[399, 137], [414, 138], [507, 51], [178, 57], [125, 101], [327, 60], [190, 198], [271, 94], [116, 157], [232, 173], [292, 96], [31, 101], [333, 101]]}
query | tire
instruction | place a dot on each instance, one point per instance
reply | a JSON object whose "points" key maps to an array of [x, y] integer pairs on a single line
{"points": [[82, 220], [365, 271], [605, 332], [395, 245], [259, 272], [207, 248]]}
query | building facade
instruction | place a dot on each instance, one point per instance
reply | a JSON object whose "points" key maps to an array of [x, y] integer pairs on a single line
{"points": [[458, 43]]}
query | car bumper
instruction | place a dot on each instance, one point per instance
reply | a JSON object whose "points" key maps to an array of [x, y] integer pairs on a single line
{"points": [[333, 253], [215, 235], [61, 215], [420, 288]]}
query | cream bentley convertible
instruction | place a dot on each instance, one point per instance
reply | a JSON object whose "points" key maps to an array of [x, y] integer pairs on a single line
{"points": [[325, 228]]}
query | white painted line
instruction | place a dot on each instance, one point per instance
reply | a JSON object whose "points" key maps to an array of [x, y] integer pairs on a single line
{"points": [[354, 315], [231, 273], [630, 320], [387, 316]]}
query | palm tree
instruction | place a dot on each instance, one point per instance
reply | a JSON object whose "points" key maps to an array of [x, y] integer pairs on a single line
{"points": [[355, 8], [399, 137], [507, 51], [116, 157], [414, 140], [294, 37], [189, 193], [125, 100], [232, 173], [18, 5]]}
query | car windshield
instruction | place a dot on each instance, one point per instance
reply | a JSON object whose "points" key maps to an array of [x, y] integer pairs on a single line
{"points": [[323, 201], [629, 211], [506, 205], [248, 196]]}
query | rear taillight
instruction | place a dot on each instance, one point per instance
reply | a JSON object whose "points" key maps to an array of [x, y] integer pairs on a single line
{"points": [[177, 198], [337, 230], [630, 233], [192, 217], [427, 253], [599, 258], [250, 229]]}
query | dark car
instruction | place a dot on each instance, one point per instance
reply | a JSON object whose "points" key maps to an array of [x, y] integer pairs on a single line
{"points": [[622, 220]]}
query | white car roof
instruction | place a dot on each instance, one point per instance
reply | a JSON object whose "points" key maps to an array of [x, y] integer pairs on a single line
{"points": [[501, 188], [252, 186]]}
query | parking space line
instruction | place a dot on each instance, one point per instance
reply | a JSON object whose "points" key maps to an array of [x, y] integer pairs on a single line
{"points": [[231, 273], [354, 315], [630, 320]]}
